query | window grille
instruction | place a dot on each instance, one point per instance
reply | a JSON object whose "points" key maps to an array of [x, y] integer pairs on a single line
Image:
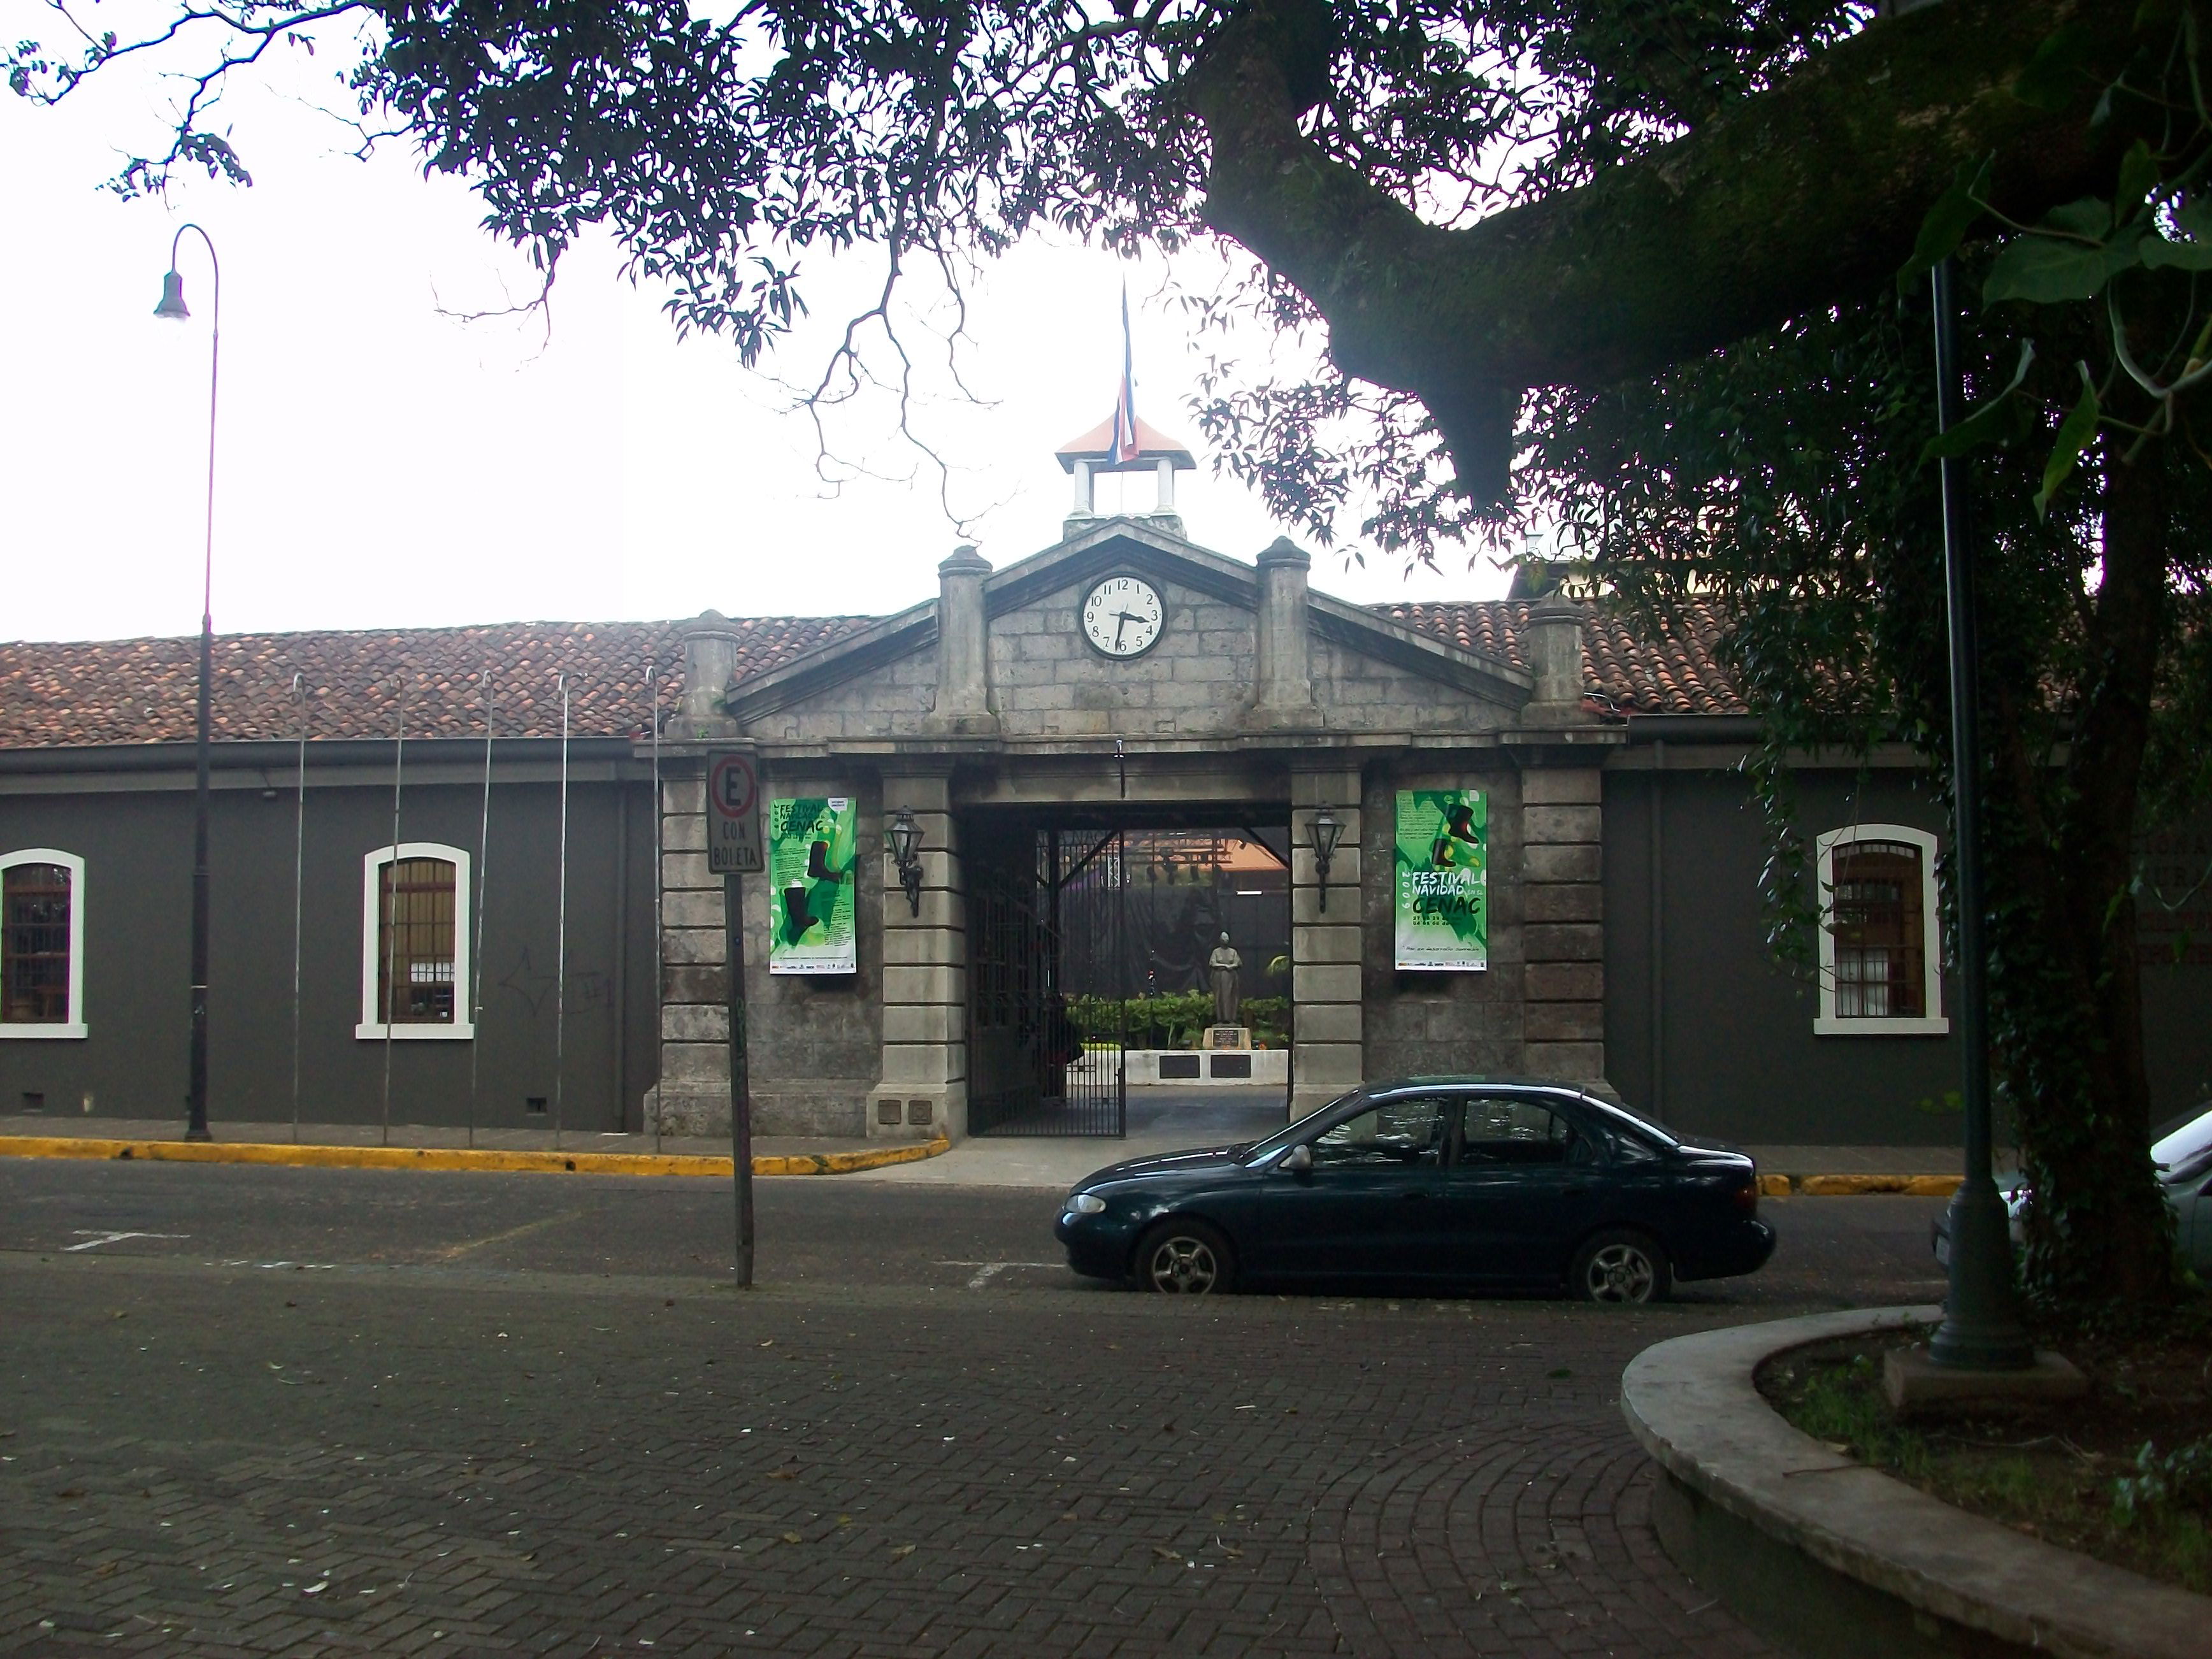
{"points": [[35, 944], [414, 942], [1879, 930]]}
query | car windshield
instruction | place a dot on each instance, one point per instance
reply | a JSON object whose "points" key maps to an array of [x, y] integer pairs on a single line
{"points": [[1260, 1151], [2186, 1145]]}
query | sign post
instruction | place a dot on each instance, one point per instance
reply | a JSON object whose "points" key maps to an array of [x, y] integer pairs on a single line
{"points": [[734, 852]]}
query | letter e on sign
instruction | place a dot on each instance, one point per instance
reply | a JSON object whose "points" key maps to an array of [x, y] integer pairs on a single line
{"points": [[733, 826]]}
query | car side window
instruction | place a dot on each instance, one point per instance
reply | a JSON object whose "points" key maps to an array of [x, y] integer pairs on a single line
{"points": [[1392, 1135], [1508, 1130]]}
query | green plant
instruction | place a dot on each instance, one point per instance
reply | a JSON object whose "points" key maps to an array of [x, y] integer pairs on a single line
{"points": [[2179, 1480]]}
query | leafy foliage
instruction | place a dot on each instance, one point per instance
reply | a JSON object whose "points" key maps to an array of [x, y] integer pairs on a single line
{"points": [[2180, 1478]]}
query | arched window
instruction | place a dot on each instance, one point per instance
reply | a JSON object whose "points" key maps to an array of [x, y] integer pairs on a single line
{"points": [[414, 943], [1880, 942], [41, 944]]}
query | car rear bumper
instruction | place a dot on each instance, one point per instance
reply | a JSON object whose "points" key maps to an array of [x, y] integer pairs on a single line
{"points": [[1742, 1248]]}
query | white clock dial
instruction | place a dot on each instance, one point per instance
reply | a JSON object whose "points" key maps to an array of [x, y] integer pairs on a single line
{"points": [[1122, 617]]}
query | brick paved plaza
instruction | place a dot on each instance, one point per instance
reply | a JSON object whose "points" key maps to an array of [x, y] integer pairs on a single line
{"points": [[451, 1454]]}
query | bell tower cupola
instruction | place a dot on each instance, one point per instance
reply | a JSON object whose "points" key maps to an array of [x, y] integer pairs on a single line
{"points": [[1096, 452]]}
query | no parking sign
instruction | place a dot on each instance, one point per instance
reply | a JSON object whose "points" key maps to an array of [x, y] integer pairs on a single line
{"points": [[734, 827]]}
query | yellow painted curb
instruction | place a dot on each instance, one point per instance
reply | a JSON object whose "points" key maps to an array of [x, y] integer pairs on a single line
{"points": [[458, 1158], [1855, 1186]]}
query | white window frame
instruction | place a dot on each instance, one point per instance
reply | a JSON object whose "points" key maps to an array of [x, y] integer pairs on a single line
{"points": [[371, 1029], [74, 1026], [1828, 1022]]}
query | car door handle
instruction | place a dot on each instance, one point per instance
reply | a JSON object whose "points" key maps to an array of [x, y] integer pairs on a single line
{"points": [[1575, 1191], [1416, 1193]]}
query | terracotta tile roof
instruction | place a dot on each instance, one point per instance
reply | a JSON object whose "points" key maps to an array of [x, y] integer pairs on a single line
{"points": [[1677, 673], [123, 691]]}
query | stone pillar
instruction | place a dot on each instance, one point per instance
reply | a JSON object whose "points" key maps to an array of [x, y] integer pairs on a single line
{"points": [[1562, 922], [1327, 1028], [965, 706], [693, 1095], [710, 660], [1552, 642], [923, 1091], [1283, 692]]}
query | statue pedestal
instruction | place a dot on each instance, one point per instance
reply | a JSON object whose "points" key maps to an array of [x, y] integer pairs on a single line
{"points": [[1228, 1036]]}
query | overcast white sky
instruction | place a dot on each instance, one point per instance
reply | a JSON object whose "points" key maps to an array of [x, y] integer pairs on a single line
{"points": [[380, 464]]}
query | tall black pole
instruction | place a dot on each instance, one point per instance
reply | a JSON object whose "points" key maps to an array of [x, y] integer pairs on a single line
{"points": [[1981, 1328], [195, 1094], [741, 1094]]}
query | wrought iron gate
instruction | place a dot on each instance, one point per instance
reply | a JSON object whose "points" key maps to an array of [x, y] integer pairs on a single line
{"points": [[1047, 985]]}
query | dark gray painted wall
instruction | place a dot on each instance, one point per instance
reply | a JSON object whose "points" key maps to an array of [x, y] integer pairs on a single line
{"points": [[137, 844], [1736, 1056]]}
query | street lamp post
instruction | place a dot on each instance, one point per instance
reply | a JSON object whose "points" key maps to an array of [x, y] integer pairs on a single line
{"points": [[1981, 1328], [172, 308]]}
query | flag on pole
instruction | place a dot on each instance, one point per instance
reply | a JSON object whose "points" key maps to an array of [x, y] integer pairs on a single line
{"points": [[1126, 446]]}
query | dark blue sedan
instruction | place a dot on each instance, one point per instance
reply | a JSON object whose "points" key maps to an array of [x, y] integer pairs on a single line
{"points": [[1462, 1182]]}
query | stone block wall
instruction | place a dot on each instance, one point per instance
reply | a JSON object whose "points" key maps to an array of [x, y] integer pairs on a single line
{"points": [[923, 1089], [1328, 1024], [1426, 1023], [1563, 932], [813, 1041]]}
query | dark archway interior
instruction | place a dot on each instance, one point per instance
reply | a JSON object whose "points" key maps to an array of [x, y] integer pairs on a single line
{"points": [[1088, 933]]}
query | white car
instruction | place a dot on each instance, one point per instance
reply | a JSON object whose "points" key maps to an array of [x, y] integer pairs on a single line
{"points": [[2183, 1153]]}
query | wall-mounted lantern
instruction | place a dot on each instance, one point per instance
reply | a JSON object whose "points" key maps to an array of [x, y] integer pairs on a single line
{"points": [[1325, 831], [904, 836]]}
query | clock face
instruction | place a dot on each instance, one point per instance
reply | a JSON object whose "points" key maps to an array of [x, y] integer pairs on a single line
{"points": [[1122, 617]]}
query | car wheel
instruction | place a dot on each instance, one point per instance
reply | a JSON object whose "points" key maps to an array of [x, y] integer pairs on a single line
{"points": [[1621, 1267], [1185, 1258]]}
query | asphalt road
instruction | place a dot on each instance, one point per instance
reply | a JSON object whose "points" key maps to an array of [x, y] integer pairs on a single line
{"points": [[812, 1231]]}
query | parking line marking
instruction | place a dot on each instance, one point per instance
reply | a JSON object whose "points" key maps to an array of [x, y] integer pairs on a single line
{"points": [[93, 1238], [987, 1271]]}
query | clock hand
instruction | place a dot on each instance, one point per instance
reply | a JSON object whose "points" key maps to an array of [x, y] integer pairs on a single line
{"points": [[1121, 620]]}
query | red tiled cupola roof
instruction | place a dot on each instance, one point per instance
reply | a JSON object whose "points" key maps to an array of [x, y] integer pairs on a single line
{"points": [[368, 684]]}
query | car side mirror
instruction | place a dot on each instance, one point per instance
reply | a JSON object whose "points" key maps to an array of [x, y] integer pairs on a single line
{"points": [[1298, 1160]]}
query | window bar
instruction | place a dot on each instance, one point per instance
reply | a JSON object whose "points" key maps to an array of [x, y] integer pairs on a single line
{"points": [[388, 907], [560, 930], [298, 892], [476, 944]]}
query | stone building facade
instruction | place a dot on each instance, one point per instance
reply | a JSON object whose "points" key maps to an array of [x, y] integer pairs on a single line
{"points": [[1261, 700]]}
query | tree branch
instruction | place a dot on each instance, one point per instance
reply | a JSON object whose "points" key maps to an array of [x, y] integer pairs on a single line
{"points": [[1793, 199]]}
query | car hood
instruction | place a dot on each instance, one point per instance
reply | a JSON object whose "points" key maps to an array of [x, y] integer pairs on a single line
{"points": [[1198, 1160]]}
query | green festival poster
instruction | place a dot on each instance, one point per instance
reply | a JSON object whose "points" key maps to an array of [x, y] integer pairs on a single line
{"points": [[811, 866], [1442, 874]]}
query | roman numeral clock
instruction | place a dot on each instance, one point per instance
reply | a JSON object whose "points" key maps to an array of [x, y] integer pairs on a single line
{"points": [[1122, 617]]}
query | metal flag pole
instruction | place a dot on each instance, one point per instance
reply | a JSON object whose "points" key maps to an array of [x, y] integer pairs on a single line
{"points": [[476, 941], [560, 933], [388, 905], [659, 856], [299, 894]]}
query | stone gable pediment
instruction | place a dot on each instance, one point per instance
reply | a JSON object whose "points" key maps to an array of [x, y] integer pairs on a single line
{"points": [[1201, 680]]}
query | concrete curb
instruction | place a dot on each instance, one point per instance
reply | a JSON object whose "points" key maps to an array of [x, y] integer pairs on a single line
{"points": [[488, 1159], [1761, 1515], [1855, 1186]]}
